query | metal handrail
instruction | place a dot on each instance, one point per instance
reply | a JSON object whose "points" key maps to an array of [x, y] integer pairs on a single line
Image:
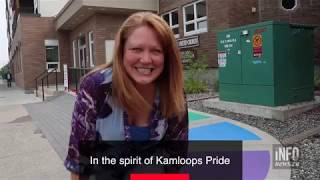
{"points": [[36, 80], [46, 75]]}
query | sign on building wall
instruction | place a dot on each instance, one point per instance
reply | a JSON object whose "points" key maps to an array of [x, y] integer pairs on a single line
{"points": [[257, 45], [187, 56], [222, 59], [228, 43], [192, 41], [65, 76]]}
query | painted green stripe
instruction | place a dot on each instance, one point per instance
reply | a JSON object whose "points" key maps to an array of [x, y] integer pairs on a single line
{"points": [[194, 116]]}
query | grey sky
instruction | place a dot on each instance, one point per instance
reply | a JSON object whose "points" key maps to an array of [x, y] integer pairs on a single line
{"points": [[3, 35]]}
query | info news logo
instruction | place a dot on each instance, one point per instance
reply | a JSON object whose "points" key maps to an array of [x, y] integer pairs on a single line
{"points": [[285, 157]]}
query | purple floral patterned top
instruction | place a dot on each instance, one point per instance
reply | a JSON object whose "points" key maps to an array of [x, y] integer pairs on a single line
{"points": [[96, 117]]}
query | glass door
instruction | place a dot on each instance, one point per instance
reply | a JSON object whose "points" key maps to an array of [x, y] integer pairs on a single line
{"points": [[83, 61]]}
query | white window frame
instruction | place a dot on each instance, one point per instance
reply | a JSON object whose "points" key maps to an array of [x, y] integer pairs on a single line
{"points": [[74, 51], [91, 42], [170, 21], [51, 42], [194, 21], [109, 50], [81, 47]]}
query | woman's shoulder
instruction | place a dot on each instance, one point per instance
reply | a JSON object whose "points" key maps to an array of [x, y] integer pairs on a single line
{"points": [[96, 80]]}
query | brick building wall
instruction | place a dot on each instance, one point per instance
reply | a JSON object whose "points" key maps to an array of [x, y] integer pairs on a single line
{"points": [[107, 27], [35, 30], [65, 49], [104, 27], [306, 12], [241, 12], [221, 14], [16, 52]]}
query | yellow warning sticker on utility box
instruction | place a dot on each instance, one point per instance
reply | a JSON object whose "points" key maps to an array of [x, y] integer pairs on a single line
{"points": [[257, 45]]}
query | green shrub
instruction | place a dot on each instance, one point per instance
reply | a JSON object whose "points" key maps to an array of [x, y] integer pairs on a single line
{"points": [[193, 82], [193, 86]]}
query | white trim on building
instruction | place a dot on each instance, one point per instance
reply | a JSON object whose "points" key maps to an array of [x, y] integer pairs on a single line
{"points": [[49, 8], [109, 45], [198, 22], [91, 44], [170, 22], [74, 51], [51, 44]]}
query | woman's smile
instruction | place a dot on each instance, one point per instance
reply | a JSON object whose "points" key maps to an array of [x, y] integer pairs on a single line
{"points": [[144, 70]]}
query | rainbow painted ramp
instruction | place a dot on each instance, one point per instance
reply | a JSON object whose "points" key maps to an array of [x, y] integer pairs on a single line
{"points": [[257, 145]]}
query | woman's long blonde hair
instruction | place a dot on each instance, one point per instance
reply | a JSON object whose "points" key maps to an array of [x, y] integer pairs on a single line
{"points": [[170, 82]]}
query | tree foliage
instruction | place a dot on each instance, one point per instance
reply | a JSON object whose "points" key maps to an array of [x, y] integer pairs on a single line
{"points": [[3, 71], [193, 82]]}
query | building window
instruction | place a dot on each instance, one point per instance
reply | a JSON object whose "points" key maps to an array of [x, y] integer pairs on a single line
{"points": [[82, 56], [289, 4], [91, 56], [195, 18], [52, 54], [172, 19]]}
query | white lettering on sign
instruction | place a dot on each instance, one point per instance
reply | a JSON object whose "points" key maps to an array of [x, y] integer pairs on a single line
{"points": [[285, 157], [228, 43], [224, 41], [187, 56], [188, 42], [65, 76]]}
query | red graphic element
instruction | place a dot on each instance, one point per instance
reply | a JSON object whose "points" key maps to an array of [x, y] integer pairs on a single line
{"points": [[257, 45], [159, 177]]}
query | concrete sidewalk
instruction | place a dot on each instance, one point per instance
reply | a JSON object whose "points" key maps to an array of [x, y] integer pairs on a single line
{"points": [[25, 153], [53, 118], [14, 95]]}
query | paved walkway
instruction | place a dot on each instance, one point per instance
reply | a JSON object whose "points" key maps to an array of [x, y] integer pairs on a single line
{"points": [[14, 96], [53, 119], [25, 153]]}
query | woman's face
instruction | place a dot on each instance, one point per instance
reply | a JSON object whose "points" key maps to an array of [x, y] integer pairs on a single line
{"points": [[143, 56]]}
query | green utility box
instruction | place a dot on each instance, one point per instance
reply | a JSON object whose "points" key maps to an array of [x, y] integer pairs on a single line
{"points": [[269, 63]]}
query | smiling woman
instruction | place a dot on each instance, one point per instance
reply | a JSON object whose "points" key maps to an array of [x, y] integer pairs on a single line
{"points": [[139, 96]]}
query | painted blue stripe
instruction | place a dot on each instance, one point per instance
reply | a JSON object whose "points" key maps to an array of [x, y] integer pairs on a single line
{"points": [[221, 131]]}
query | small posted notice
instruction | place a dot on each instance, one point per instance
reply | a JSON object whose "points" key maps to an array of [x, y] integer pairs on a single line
{"points": [[65, 76], [222, 59]]}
